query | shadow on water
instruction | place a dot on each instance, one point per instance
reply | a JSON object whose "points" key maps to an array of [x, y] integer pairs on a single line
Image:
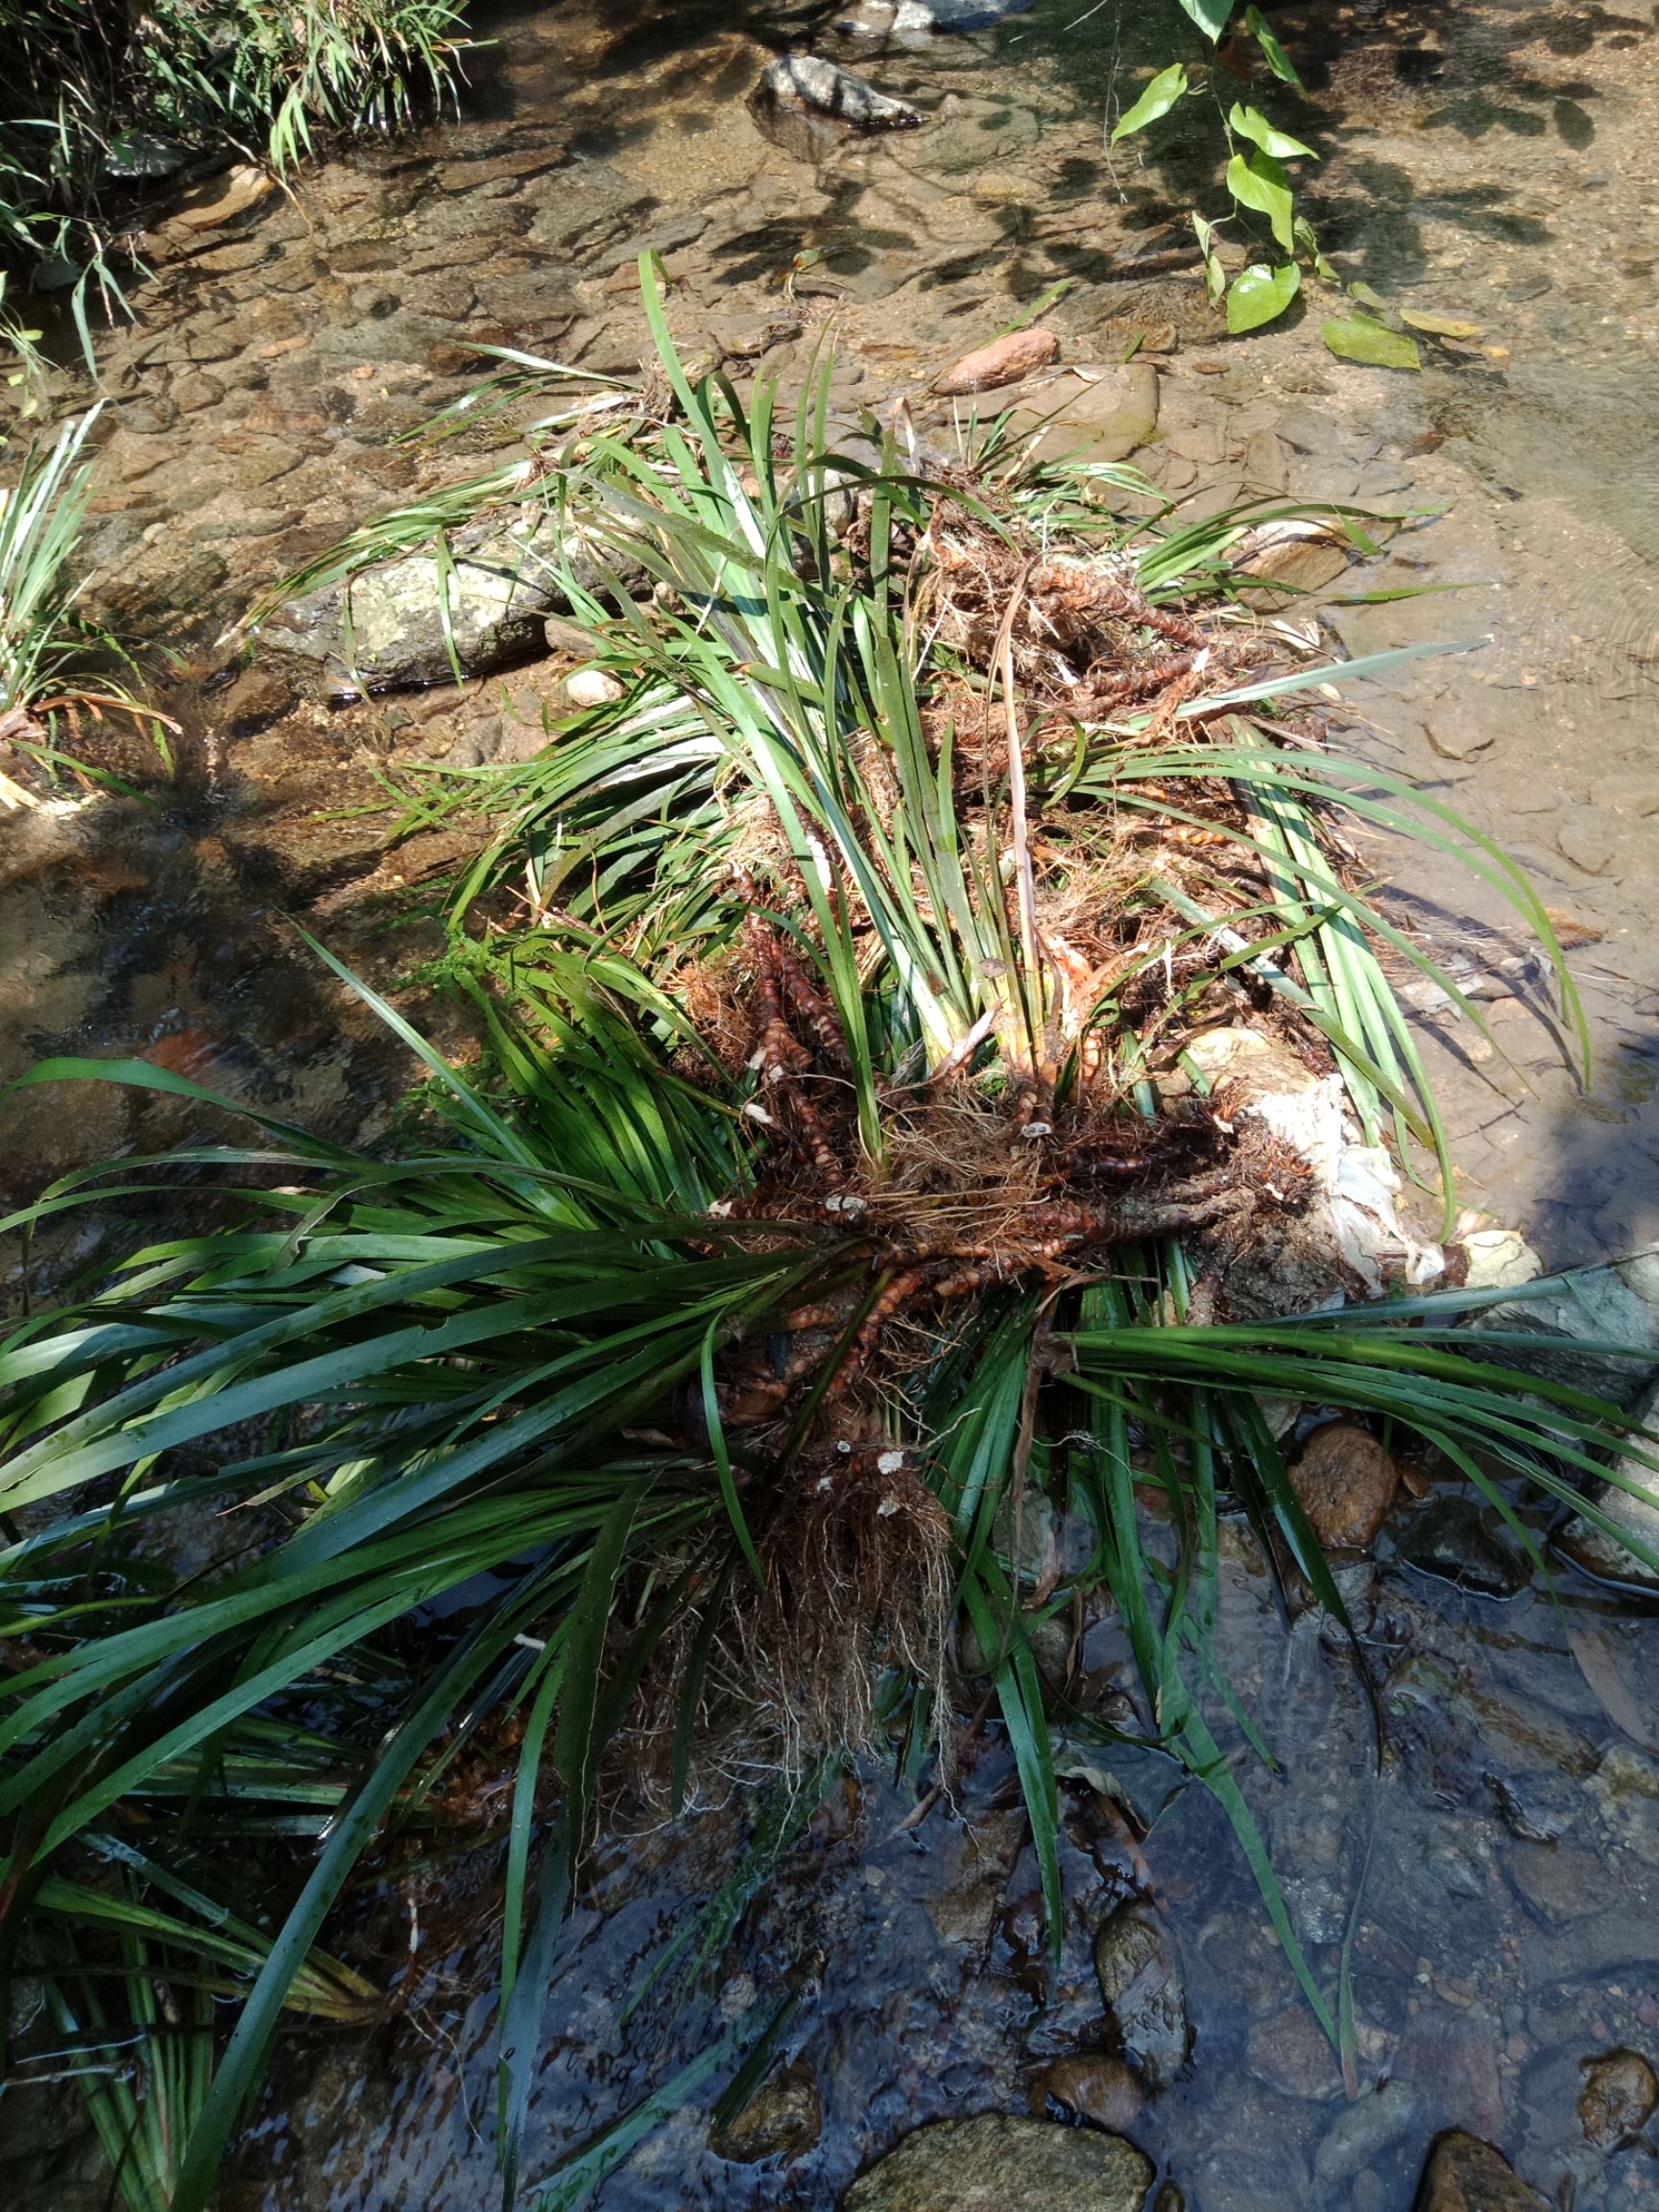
{"points": [[160, 927]]}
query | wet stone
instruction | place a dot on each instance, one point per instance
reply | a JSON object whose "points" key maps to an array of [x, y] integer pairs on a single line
{"points": [[1346, 1482], [1464, 2175], [1560, 1883], [1600, 1553], [593, 207], [1599, 1308], [464, 250], [208, 343], [1536, 1808], [1140, 1979], [785, 2118], [967, 1914], [1096, 414], [500, 588], [1619, 2097], [1453, 1540], [447, 294], [526, 298], [191, 393], [1309, 1846], [148, 418], [258, 697], [1295, 567], [360, 256], [1365, 2128], [256, 465], [1590, 844], [1101, 2090], [1292, 2054], [998, 2164], [241, 525], [1626, 1787], [1449, 2054]]}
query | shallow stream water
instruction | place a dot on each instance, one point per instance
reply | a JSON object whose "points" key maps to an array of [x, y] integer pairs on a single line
{"points": [[1497, 1881]]}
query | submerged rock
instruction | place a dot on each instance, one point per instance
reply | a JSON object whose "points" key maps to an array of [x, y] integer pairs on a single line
{"points": [[1291, 556], [1464, 2175], [1561, 1883], [1449, 2055], [1600, 1553], [1292, 2054], [1625, 1789], [1452, 1539], [1141, 1981], [1363, 2130], [996, 2163], [1538, 1808], [386, 627], [1620, 2094], [785, 2118], [806, 85], [1102, 2090], [1346, 1482]]}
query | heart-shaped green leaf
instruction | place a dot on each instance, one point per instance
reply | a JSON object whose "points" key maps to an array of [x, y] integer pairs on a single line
{"points": [[1278, 60], [1160, 96], [1250, 123], [1209, 16], [1257, 181], [1260, 293], [1363, 339]]}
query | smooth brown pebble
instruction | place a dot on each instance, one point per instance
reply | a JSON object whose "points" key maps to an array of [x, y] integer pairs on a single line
{"points": [[1618, 2099], [1004, 361], [1103, 2090], [1346, 1482], [785, 2118], [1464, 2175]]}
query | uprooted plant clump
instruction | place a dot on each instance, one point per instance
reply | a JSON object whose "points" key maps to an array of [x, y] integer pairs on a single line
{"points": [[842, 1170]]}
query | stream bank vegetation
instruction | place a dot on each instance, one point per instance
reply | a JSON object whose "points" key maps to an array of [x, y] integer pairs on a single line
{"points": [[838, 1183], [57, 671], [103, 100]]}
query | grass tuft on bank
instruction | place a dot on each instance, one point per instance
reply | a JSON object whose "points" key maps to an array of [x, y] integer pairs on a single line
{"points": [[664, 1405], [103, 100]]}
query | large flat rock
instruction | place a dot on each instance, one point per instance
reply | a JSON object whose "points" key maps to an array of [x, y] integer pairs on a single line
{"points": [[999, 2163], [408, 621], [1091, 413]]}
